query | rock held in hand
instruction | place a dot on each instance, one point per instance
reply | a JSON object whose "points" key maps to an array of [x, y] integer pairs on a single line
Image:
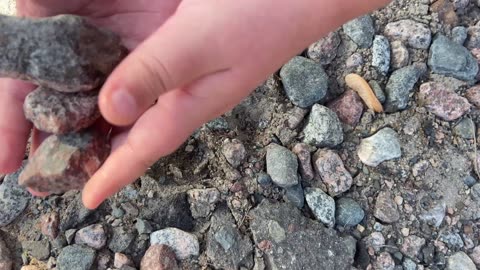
{"points": [[65, 162], [60, 113], [65, 52]]}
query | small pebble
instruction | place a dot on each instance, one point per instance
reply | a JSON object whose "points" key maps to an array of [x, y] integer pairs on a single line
{"points": [[184, 244], [400, 54], [385, 208], [382, 146], [92, 236], [322, 205]]}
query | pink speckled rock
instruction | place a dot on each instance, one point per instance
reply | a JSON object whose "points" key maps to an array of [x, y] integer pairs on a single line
{"points": [[348, 107], [473, 95], [302, 151], [60, 113], [325, 50], [49, 224], [159, 257], [443, 102], [65, 162], [329, 166]]}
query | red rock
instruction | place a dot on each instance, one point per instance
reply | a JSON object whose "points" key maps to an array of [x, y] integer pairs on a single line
{"points": [[329, 166], [348, 107], [65, 162], [443, 102], [302, 151], [473, 95], [446, 12], [159, 257], [60, 113], [49, 224], [325, 50], [412, 245]]}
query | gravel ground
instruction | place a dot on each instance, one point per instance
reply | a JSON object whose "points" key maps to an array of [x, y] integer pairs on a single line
{"points": [[305, 173]]}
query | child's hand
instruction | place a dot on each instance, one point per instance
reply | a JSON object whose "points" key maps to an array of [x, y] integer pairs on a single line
{"points": [[196, 58]]}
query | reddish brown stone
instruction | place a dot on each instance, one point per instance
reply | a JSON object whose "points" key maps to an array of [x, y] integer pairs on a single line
{"points": [[49, 224], [60, 113], [159, 257], [473, 95], [348, 107], [329, 166], [65, 162], [443, 102], [446, 12], [302, 151]]}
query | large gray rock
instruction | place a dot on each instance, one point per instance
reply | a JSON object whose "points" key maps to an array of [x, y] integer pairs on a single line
{"points": [[281, 229], [13, 199], [305, 81], [226, 247], [65, 162], [400, 84], [65, 53], [282, 166], [360, 30], [382, 146], [323, 128], [60, 113], [76, 257], [451, 59]]}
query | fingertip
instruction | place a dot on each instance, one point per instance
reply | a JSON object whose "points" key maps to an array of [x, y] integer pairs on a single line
{"points": [[118, 106], [90, 202]]}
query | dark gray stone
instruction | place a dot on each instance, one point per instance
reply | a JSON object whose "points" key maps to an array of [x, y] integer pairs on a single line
{"points": [[60, 113], [65, 53], [348, 212], [282, 166], [226, 247], [323, 128], [305, 81], [75, 213], [451, 59], [381, 54], [264, 179], [13, 199], [281, 229], [360, 30], [65, 162], [37, 249], [295, 195], [400, 84], [469, 181], [76, 257], [121, 239]]}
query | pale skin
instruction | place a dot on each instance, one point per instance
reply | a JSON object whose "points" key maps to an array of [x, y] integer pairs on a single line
{"points": [[197, 58]]}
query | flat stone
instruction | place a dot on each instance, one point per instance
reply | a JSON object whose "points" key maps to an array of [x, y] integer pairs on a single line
{"points": [[348, 212], [329, 166], [305, 81], [322, 205], [348, 107], [382, 146], [400, 84], [202, 201], [49, 224], [400, 54], [381, 54], [460, 260], [282, 166], [279, 229], [76, 257], [184, 244], [121, 239], [325, 50], [65, 162], [13, 199], [234, 152], [37, 249], [473, 95], [302, 151], [451, 59], [443, 102], [60, 113], [92, 236], [385, 208], [159, 257], [5, 256], [360, 30], [226, 247], [412, 245], [416, 35], [65, 52], [323, 128]]}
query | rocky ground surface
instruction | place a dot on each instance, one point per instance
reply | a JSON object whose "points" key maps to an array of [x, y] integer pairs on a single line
{"points": [[300, 175]]}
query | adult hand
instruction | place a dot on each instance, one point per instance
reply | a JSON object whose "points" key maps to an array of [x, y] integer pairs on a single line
{"points": [[191, 61]]}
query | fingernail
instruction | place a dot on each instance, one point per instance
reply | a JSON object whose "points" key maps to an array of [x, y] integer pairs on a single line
{"points": [[124, 103]]}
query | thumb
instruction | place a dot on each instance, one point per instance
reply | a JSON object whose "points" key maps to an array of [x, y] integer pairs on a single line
{"points": [[170, 58]]}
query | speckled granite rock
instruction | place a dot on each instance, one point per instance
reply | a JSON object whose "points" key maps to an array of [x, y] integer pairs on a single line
{"points": [[65, 162], [13, 199], [60, 113], [64, 52]]}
